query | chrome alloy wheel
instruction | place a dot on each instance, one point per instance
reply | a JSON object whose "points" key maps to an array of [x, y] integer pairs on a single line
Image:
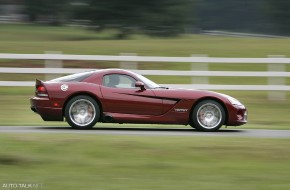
{"points": [[82, 112], [209, 116]]}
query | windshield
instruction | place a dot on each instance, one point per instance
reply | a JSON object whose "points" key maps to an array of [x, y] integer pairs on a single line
{"points": [[148, 82]]}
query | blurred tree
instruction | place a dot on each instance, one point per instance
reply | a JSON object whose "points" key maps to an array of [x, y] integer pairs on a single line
{"points": [[154, 17], [47, 11], [165, 17], [278, 11], [237, 15]]}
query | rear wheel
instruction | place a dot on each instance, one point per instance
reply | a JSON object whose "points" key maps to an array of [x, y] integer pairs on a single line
{"points": [[82, 112], [208, 115]]}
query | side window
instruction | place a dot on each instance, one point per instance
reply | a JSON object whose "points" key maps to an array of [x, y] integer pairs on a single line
{"points": [[118, 81]]}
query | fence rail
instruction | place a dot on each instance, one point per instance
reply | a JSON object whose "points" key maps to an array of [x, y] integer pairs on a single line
{"points": [[276, 69], [143, 58], [150, 72]]}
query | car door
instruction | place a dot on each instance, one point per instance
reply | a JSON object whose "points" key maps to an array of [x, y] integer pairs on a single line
{"points": [[121, 96]]}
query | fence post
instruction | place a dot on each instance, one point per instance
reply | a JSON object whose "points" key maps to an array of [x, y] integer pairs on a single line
{"points": [[199, 67], [276, 95], [128, 64], [52, 64]]}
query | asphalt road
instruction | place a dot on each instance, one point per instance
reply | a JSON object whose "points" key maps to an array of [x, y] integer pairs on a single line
{"points": [[255, 133]]}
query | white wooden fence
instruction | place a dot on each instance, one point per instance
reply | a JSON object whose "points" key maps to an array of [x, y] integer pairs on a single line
{"points": [[276, 69]]}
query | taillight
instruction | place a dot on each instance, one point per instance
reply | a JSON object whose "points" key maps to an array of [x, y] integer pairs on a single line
{"points": [[41, 91]]}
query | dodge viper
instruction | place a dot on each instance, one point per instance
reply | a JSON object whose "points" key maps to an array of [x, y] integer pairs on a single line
{"points": [[122, 96]]}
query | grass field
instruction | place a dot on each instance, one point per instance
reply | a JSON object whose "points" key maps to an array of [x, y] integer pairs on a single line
{"points": [[37, 39], [74, 161], [72, 40], [111, 162]]}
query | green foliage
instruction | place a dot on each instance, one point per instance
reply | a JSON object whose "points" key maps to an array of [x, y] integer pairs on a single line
{"points": [[165, 17], [237, 15], [262, 16], [53, 11], [278, 11], [158, 17], [153, 17]]}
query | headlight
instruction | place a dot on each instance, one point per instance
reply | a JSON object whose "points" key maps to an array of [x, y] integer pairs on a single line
{"points": [[234, 101]]}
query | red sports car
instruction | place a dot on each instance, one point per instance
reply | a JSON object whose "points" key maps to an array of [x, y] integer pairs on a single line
{"points": [[121, 96]]}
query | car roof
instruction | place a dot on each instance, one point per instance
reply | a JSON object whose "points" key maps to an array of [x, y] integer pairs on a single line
{"points": [[114, 71], [108, 71]]}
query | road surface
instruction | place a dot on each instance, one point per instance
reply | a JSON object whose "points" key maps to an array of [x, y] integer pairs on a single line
{"points": [[256, 133]]}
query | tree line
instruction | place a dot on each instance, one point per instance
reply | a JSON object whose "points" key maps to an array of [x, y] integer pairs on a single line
{"points": [[166, 17]]}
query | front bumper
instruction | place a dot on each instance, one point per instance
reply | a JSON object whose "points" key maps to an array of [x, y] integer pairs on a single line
{"points": [[238, 115], [43, 107]]}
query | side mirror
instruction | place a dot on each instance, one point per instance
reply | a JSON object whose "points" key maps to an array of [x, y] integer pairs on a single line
{"points": [[140, 85]]}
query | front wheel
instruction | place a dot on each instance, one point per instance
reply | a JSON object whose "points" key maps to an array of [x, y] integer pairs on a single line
{"points": [[208, 115], [82, 112]]}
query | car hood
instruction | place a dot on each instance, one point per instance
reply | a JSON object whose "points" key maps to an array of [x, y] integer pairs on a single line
{"points": [[187, 94]]}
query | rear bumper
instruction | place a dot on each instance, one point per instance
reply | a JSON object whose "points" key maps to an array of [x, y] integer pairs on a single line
{"points": [[33, 109], [43, 107]]}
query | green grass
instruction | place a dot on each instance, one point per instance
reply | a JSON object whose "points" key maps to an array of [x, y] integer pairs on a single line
{"points": [[108, 162], [72, 161], [73, 40]]}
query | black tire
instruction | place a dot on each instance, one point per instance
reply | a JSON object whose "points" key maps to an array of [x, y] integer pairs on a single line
{"points": [[82, 112], [208, 115]]}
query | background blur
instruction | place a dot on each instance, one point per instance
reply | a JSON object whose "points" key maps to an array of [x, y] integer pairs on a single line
{"points": [[181, 28], [224, 28], [157, 18]]}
